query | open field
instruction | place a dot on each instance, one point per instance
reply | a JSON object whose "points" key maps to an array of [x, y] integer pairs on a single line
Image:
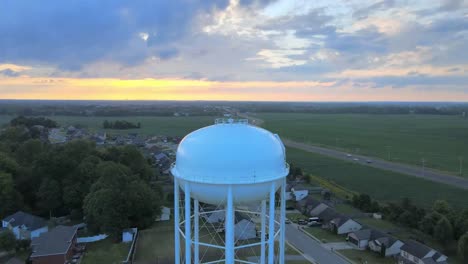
{"points": [[105, 251], [379, 184], [439, 140], [150, 125]]}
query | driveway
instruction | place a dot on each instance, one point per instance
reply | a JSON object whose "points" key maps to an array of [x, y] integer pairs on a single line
{"points": [[312, 249]]}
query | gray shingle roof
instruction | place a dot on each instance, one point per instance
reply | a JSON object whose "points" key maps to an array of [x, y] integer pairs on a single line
{"points": [[55, 242], [328, 214], [14, 261], [31, 222], [415, 248], [370, 234]]}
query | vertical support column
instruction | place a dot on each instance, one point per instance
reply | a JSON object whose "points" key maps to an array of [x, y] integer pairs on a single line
{"points": [[271, 226], [229, 228], [196, 232], [188, 235], [282, 221], [262, 235], [176, 222]]}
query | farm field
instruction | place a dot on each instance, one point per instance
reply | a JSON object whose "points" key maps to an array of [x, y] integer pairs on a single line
{"points": [[150, 125], [439, 140], [379, 184]]}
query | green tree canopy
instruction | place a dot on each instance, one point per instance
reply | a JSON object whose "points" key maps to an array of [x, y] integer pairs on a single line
{"points": [[443, 230], [7, 240], [119, 199], [463, 247]]}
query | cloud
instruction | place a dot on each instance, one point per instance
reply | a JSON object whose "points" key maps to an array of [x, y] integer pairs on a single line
{"points": [[71, 34]]}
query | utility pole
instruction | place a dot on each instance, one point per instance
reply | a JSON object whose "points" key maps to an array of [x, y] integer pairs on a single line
{"points": [[423, 165], [461, 165], [388, 152]]}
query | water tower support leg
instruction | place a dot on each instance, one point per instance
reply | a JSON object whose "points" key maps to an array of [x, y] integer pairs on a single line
{"points": [[176, 223], [271, 226], [282, 221], [262, 235], [229, 228], [196, 234], [188, 235]]}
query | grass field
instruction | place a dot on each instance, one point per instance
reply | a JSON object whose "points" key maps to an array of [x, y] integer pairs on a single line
{"points": [[150, 125], [379, 184], [105, 252], [440, 140]]}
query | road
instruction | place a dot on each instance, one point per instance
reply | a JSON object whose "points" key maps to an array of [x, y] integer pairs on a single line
{"points": [[311, 248], [415, 171], [383, 164]]}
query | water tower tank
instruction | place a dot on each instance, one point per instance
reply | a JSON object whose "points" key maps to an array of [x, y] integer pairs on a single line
{"points": [[233, 153]]}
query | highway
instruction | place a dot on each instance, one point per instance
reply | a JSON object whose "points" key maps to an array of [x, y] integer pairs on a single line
{"points": [[415, 171], [383, 164]]}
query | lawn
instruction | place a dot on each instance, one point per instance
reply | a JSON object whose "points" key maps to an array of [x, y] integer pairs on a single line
{"points": [[379, 184], [346, 209], [440, 140], [380, 224], [325, 236], [366, 256], [106, 252]]}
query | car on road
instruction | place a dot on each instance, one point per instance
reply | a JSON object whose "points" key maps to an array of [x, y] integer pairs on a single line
{"points": [[302, 222], [356, 159], [369, 161], [349, 155], [287, 221]]}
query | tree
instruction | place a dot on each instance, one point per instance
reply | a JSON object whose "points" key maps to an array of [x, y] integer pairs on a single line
{"points": [[10, 199], [7, 240], [443, 230], [463, 247], [429, 221], [119, 199], [441, 207], [50, 195]]}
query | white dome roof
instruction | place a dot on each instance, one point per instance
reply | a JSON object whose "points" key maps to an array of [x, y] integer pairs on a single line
{"points": [[230, 153]]}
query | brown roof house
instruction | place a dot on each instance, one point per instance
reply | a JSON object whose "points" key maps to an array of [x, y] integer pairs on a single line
{"points": [[54, 247]]}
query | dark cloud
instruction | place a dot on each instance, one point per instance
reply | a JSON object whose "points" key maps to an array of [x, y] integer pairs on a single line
{"points": [[361, 41], [364, 12], [72, 33], [451, 5]]}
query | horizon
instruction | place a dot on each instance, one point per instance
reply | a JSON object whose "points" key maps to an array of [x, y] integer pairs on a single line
{"points": [[235, 50]]}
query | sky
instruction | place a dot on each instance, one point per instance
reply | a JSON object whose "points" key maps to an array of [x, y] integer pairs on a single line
{"points": [[255, 50]]}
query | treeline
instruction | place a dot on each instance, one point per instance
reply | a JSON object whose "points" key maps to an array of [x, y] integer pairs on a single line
{"points": [[120, 124], [444, 223], [110, 186], [29, 122]]}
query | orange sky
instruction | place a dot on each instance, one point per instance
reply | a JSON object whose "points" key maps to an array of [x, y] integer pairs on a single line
{"points": [[182, 89]]}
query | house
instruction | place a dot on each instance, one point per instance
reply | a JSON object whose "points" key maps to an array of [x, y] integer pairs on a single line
{"points": [[160, 157], [54, 247], [307, 204], [344, 224], [327, 215], [24, 225], [129, 234], [375, 240], [297, 194], [57, 136], [165, 214], [413, 252], [318, 209], [391, 245], [244, 227]]}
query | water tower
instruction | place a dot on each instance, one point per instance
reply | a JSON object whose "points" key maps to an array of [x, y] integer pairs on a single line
{"points": [[230, 165]]}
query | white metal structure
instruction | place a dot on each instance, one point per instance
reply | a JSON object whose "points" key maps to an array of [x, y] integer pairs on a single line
{"points": [[229, 165]]}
